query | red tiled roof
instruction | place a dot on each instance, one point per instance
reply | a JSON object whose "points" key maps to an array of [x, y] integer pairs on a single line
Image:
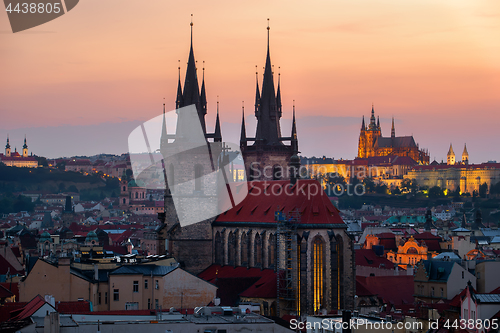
{"points": [[395, 290], [29, 309], [265, 197], [17, 157], [456, 301], [7, 308], [431, 241], [5, 267], [361, 289], [12, 287], [249, 282], [73, 307], [366, 257]]}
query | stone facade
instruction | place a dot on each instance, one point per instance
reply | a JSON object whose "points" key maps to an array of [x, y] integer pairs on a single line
{"points": [[254, 246], [465, 177]]}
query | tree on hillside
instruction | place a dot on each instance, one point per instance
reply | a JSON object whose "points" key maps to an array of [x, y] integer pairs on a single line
{"points": [[483, 190], [436, 192], [369, 185]]}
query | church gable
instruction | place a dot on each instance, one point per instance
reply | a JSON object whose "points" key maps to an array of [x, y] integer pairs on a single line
{"points": [[266, 197]]}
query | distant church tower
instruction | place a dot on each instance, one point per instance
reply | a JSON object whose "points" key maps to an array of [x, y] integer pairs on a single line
{"points": [[465, 155], [268, 157], [7, 148], [450, 156], [369, 135], [25, 148]]}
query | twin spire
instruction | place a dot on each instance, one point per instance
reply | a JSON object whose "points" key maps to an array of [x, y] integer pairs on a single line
{"points": [[268, 105], [191, 94], [268, 108]]}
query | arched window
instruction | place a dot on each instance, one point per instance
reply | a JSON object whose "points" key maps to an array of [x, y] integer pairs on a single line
{"points": [[245, 243], [136, 195], [198, 171], [318, 273], [271, 252], [257, 251], [340, 271], [124, 188], [219, 249], [124, 200], [231, 249]]}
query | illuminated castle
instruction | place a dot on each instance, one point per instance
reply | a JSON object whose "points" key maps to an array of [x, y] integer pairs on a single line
{"points": [[372, 143]]}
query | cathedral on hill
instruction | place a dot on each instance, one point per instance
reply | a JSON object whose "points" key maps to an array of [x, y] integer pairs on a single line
{"points": [[372, 143]]}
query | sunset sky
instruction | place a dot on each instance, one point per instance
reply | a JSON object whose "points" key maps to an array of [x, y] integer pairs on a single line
{"points": [[79, 84]]}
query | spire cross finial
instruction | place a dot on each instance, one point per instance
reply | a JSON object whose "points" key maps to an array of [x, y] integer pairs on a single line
{"points": [[243, 106], [191, 24], [294, 107], [268, 28], [217, 104]]}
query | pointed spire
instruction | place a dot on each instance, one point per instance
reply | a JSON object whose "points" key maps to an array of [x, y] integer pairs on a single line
{"points": [[179, 102], [465, 155], [191, 92], [268, 128], [257, 93], [8, 143], [363, 126], [203, 95], [25, 146], [243, 135], [378, 122], [393, 130], [372, 119], [278, 94], [164, 137], [450, 151], [218, 134], [294, 159], [295, 141]]}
